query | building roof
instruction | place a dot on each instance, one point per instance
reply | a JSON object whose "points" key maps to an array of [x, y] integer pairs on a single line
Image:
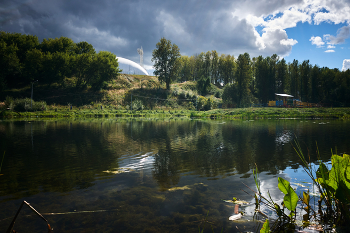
{"points": [[129, 67], [284, 95]]}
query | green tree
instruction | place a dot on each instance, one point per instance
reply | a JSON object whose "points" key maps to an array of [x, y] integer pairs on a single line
{"points": [[79, 67], [304, 70], [227, 67], [104, 67], [294, 78], [203, 85], [33, 65], [261, 74], [62, 44], [281, 76], [84, 47], [23, 43], [166, 61], [9, 64], [185, 69], [271, 79], [214, 67], [230, 95], [243, 78], [314, 84]]}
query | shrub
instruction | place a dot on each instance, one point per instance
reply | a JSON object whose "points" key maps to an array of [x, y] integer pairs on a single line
{"points": [[137, 105], [25, 105]]}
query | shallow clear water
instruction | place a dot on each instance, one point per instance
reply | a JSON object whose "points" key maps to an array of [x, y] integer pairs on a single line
{"points": [[120, 175]]}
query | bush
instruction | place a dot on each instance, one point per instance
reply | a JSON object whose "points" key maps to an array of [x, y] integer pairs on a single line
{"points": [[137, 105], [25, 105]]}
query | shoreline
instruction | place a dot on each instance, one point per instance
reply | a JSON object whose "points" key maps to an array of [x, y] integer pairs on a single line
{"points": [[233, 113]]}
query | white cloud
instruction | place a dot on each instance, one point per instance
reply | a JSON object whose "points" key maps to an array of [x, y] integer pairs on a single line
{"points": [[346, 64], [275, 41], [289, 19], [330, 47], [329, 51], [342, 34], [337, 11], [287, 42], [316, 40]]}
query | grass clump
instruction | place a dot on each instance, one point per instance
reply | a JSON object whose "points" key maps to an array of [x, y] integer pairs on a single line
{"points": [[25, 105]]}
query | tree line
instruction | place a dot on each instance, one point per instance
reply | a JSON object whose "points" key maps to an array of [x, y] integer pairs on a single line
{"points": [[256, 80], [23, 59], [248, 80]]}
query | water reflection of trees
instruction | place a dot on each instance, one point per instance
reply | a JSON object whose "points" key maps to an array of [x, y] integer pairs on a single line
{"points": [[211, 149], [62, 156], [53, 156]]}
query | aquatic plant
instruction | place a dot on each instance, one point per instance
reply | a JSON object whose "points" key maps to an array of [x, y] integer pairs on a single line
{"points": [[333, 210]]}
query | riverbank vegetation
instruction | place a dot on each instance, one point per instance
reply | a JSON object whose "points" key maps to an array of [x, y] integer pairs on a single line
{"points": [[102, 111], [68, 79]]}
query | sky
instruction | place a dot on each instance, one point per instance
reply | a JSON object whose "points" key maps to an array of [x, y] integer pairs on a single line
{"points": [[314, 30]]}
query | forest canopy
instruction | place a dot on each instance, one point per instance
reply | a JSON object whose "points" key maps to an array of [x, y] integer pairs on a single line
{"points": [[23, 59], [245, 80], [255, 80]]}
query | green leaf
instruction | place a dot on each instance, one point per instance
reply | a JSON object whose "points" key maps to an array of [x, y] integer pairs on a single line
{"points": [[322, 172], [283, 185], [266, 227], [290, 198], [278, 210]]}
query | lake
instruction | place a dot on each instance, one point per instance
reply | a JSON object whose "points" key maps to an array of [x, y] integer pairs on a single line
{"points": [[134, 175]]}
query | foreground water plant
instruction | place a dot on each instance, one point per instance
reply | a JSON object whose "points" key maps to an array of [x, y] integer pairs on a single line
{"points": [[333, 208]]}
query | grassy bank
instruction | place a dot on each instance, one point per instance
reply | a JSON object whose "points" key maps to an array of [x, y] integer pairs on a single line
{"points": [[101, 111], [139, 93]]}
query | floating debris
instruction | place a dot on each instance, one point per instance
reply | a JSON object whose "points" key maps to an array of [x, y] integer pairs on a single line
{"points": [[298, 184], [186, 187], [120, 170], [238, 202], [179, 188], [235, 217]]}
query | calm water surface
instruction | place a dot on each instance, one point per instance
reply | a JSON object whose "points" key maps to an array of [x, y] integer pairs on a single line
{"points": [[122, 175]]}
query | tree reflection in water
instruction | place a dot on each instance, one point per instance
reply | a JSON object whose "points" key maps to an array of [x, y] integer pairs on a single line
{"points": [[45, 159]]}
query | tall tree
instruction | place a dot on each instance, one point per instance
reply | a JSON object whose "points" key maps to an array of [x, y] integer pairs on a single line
{"points": [[315, 84], [166, 63], [227, 68], [304, 80], [243, 77], [185, 69], [281, 77], [261, 76], [9, 65], [272, 63], [294, 78]]}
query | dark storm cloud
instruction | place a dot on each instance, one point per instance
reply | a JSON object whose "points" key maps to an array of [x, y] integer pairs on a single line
{"points": [[123, 26]]}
